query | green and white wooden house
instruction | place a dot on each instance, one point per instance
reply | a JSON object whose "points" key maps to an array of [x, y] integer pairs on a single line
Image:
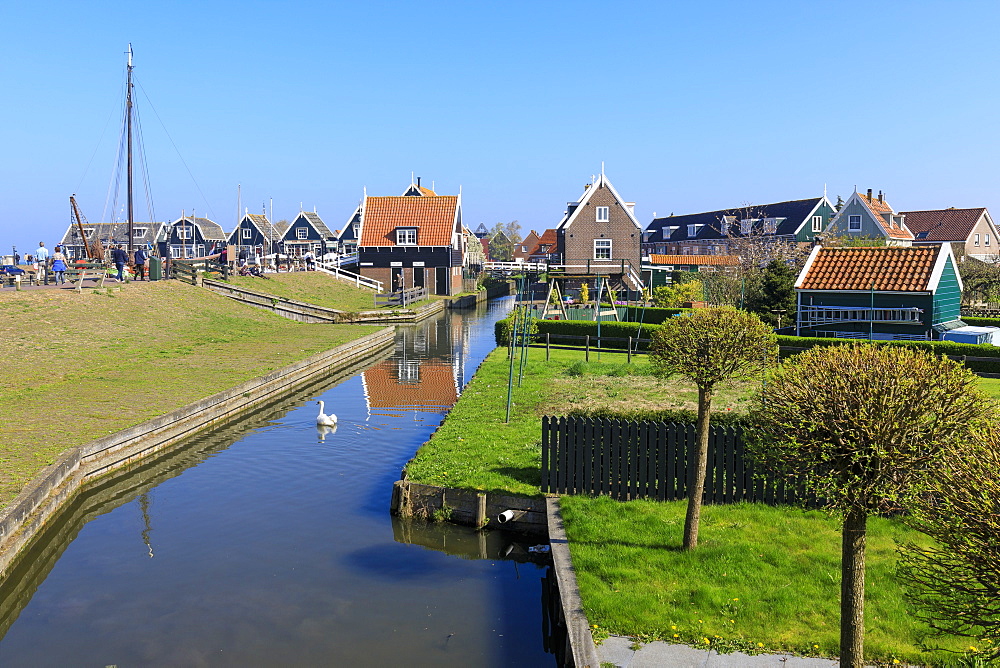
{"points": [[886, 293], [869, 217]]}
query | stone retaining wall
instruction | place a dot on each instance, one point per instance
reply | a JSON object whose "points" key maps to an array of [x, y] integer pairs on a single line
{"points": [[42, 498]]}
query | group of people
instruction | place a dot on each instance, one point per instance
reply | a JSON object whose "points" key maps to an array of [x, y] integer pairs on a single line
{"points": [[43, 261]]}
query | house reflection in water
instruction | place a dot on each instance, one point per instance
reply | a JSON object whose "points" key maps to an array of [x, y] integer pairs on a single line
{"points": [[425, 377]]}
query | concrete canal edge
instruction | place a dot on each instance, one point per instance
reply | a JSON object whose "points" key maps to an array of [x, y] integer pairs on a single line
{"points": [[467, 507], [44, 496], [578, 634]]}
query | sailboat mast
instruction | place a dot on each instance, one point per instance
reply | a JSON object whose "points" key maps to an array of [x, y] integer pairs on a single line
{"points": [[128, 123]]}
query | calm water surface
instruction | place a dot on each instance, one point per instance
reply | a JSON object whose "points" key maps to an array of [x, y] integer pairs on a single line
{"points": [[269, 543]]}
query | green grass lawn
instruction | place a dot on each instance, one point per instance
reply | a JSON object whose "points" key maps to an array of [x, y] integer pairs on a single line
{"points": [[762, 579], [312, 287], [476, 449], [80, 366]]}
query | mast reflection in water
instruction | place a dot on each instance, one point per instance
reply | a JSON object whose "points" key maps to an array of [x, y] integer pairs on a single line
{"points": [[271, 546]]}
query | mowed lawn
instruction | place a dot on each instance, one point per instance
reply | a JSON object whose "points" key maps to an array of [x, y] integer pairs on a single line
{"points": [[312, 287], [80, 366]]}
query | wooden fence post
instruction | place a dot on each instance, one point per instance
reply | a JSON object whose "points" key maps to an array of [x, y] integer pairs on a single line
{"points": [[547, 352], [630, 350], [588, 348]]}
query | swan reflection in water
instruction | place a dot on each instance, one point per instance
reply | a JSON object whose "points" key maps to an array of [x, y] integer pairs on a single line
{"points": [[323, 430]]}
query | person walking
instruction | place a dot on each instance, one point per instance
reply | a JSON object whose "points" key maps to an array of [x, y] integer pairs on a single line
{"points": [[120, 258], [41, 262], [59, 265], [140, 263]]}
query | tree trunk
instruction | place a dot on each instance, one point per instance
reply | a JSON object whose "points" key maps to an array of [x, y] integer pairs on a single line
{"points": [[852, 590], [696, 474]]}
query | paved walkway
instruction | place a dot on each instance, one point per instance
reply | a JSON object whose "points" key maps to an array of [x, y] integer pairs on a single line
{"points": [[617, 650]]}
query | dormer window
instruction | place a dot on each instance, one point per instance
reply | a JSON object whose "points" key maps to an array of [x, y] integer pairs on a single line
{"points": [[88, 232], [746, 225], [406, 236], [693, 230], [770, 225], [603, 214], [301, 232], [138, 232]]}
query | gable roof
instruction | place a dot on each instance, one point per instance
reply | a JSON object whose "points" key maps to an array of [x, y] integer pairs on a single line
{"points": [[435, 217], [699, 260], [943, 224], [895, 269], [210, 230], [791, 215], [113, 233], [879, 207], [262, 224], [575, 208], [549, 238], [417, 190], [313, 219]]}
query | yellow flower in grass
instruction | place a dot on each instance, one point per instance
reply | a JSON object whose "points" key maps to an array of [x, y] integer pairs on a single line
{"points": [[895, 660], [707, 641], [760, 644], [676, 636], [815, 646], [736, 599], [673, 628], [972, 649]]}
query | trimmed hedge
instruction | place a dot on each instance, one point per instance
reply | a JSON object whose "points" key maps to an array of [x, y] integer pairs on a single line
{"points": [[675, 415], [581, 328], [937, 347], [981, 322], [652, 315]]}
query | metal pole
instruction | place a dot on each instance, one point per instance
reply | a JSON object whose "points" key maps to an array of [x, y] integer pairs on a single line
{"points": [[128, 122], [510, 373]]}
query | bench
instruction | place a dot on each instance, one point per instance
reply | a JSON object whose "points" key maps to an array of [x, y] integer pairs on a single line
{"points": [[81, 271]]}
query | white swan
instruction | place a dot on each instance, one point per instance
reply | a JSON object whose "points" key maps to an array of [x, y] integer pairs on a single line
{"points": [[325, 420]]}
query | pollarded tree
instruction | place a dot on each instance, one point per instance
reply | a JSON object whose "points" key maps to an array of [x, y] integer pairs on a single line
{"points": [[864, 426], [957, 582], [708, 347]]}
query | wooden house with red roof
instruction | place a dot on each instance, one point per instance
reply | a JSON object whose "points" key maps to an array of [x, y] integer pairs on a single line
{"points": [[884, 293], [970, 232], [413, 240], [868, 217]]}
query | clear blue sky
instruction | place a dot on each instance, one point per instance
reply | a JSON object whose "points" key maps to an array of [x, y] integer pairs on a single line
{"points": [[692, 106]]}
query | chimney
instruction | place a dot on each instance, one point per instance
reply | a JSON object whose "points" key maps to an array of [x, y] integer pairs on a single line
{"points": [[880, 198], [418, 184], [869, 194]]}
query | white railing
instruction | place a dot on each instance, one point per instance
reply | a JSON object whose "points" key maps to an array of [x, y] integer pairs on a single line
{"points": [[348, 258], [514, 266], [333, 269]]}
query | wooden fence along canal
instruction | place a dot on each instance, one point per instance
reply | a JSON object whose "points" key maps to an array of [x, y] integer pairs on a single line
{"points": [[633, 460]]}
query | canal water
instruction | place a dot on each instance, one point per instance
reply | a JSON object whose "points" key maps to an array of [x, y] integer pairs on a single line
{"points": [[269, 542]]}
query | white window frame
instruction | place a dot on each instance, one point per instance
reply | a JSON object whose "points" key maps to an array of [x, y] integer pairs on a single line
{"points": [[692, 231], [770, 225], [817, 224], [301, 233], [88, 232], [986, 240], [247, 233], [851, 221], [602, 249], [185, 232], [604, 214], [138, 232], [406, 236]]}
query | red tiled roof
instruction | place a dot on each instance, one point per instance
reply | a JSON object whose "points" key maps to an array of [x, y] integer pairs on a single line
{"points": [[879, 207], [433, 216], [699, 260], [943, 224], [549, 239], [883, 269]]}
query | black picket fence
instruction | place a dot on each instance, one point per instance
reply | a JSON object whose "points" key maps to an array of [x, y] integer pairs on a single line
{"points": [[633, 460]]}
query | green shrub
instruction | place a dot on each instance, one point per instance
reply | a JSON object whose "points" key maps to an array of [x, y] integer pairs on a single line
{"points": [[981, 322], [675, 415], [653, 315], [565, 328], [950, 348]]}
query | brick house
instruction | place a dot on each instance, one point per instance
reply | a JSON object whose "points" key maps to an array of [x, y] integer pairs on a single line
{"points": [[413, 241], [970, 232], [599, 237]]}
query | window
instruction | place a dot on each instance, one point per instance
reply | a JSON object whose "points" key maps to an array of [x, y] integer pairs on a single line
{"points": [[692, 230], [770, 225], [746, 225], [986, 240], [184, 232], [603, 214], [976, 242], [247, 233], [301, 232], [602, 249], [138, 232], [406, 236], [817, 223], [854, 223], [88, 232]]}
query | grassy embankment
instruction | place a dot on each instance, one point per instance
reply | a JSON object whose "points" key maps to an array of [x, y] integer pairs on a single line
{"points": [[315, 287], [80, 366], [763, 579]]}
